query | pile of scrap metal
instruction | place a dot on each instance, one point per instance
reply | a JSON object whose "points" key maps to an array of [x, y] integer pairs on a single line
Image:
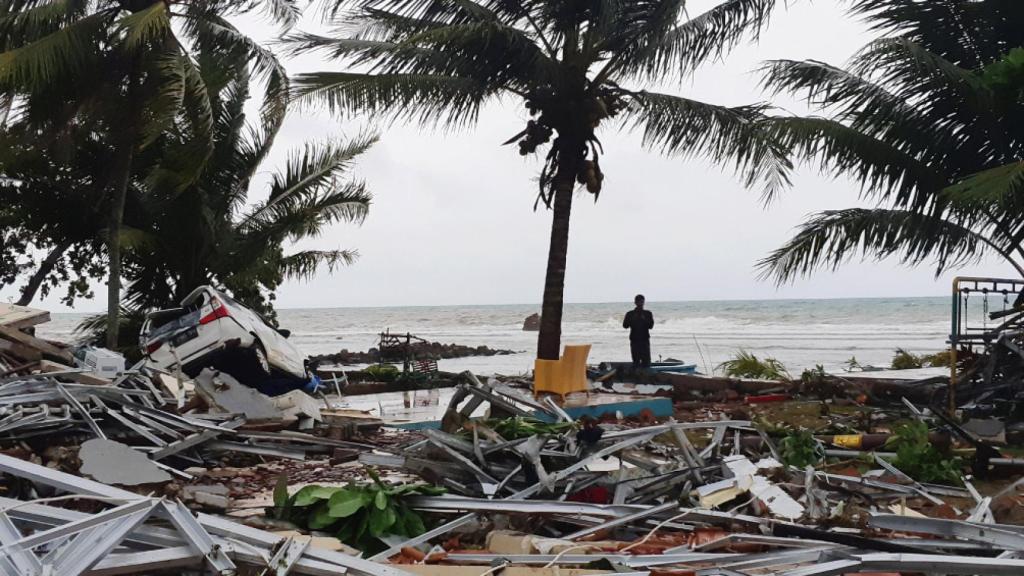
{"points": [[130, 420], [141, 426], [677, 498], [125, 533], [528, 489]]}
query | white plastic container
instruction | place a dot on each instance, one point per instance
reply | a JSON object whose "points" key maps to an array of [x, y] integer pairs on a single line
{"points": [[102, 362]]}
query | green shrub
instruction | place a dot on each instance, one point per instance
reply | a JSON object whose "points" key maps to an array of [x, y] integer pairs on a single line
{"points": [[942, 359], [357, 514], [383, 372], [800, 449], [852, 365], [746, 365], [904, 360], [523, 427], [816, 375], [918, 458]]}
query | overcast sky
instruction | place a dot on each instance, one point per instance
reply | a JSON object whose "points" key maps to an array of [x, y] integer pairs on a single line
{"points": [[453, 221]]}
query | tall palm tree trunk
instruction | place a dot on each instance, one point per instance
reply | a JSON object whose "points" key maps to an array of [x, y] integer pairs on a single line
{"points": [[122, 174], [120, 177], [28, 293], [549, 341]]}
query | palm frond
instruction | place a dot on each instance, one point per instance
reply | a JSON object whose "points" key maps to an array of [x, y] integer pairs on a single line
{"points": [[265, 64], [990, 188], [309, 215], [349, 203], [912, 70], [487, 50], [145, 27], [165, 106], [737, 135], [829, 239], [356, 49], [183, 162], [283, 12], [920, 131], [655, 49], [839, 150], [971, 34], [304, 265], [58, 55], [308, 172], [440, 11], [827, 87], [21, 24], [431, 100]]}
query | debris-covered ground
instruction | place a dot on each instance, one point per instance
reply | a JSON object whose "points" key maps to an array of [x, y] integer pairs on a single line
{"points": [[150, 473]]}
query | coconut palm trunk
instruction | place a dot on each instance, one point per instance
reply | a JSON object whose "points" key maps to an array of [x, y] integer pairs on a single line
{"points": [[121, 176], [549, 341], [576, 66]]}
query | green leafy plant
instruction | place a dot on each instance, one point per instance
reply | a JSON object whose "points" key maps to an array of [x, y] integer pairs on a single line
{"points": [[918, 458], [943, 359], [814, 375], [746, 365], [357, 514], [1007, 74], [904, 360], [852, 365], [800, 449], [524, 427], [383, 372]]}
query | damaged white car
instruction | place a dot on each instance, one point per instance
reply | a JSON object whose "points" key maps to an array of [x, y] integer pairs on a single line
{"points": [[211, 329]]}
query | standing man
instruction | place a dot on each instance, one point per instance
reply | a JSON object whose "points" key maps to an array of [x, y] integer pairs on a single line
{"points": [[639, 322]]}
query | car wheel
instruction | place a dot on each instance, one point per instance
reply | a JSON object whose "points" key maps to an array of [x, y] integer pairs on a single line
{"points": [[259, 356]]}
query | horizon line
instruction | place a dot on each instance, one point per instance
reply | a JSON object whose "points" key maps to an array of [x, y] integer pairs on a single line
{"points": [[609, 302]]}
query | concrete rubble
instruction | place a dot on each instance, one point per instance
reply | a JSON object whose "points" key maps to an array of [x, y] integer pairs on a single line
{"points": [[147, 473]]}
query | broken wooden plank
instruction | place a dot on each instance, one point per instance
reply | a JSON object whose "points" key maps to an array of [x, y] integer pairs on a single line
{"points": [[68, 373], [18, 317], [20, 351], [47, 349]]}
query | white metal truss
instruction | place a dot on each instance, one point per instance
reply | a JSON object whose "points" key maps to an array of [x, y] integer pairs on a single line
{"points": [[120, 541]]}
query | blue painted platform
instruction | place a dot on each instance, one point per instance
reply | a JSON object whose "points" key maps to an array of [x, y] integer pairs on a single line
{"points": [[596, 406]]}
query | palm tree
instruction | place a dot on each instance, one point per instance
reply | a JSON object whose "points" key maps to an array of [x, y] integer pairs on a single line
{"points": [[575, 65], [929, 120], [220, 230], [131, 70]]}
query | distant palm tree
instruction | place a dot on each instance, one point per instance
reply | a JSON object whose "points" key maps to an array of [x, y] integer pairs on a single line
{"points": [[574, 64], [131, 69], [929, 120]]}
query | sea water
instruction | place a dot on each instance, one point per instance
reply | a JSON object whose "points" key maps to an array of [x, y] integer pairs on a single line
{"points": [[799, 333]]}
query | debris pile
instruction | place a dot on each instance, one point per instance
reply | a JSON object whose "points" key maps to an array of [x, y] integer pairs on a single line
{"points": [[152, 473]]}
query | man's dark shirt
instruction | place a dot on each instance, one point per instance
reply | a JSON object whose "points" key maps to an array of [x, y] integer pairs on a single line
{"points": [[639, 323]]}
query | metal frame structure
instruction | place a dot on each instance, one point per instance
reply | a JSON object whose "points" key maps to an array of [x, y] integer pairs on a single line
{"points": [[963, 334], [118, 541]]}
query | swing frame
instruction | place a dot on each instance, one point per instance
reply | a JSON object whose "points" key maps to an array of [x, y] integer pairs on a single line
{"points": [[961, 332]]}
